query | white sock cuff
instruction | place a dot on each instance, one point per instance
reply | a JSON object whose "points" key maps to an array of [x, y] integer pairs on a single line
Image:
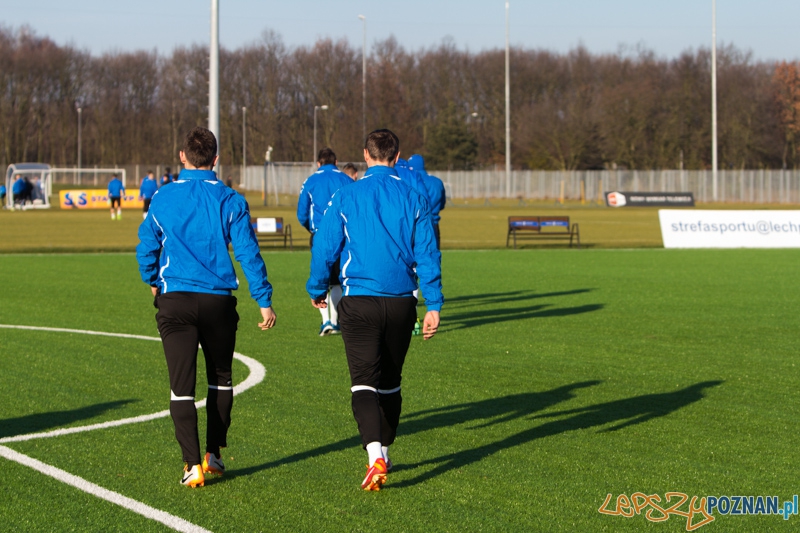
{"points": [[175, 398], [374, 451]]}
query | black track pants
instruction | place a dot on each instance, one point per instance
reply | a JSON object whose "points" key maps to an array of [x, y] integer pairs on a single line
{"points": [[184, 320], [376, 333]]}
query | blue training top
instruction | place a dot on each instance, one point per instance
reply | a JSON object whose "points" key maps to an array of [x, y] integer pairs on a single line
{"points": [[148, 188], [437, 196], [115, 188], [184, 239], [315, 194], [382, 229]]}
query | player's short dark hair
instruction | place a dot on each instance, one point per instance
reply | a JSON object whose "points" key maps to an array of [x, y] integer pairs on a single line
{"points": [[326, 157], [150, 172], [349, 166], [200, 147], [382, 145]]}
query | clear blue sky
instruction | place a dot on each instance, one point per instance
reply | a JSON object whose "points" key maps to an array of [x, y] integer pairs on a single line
{"points": [[768, 28]]}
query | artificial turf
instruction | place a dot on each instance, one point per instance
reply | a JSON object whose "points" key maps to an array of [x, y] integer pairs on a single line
{"points": [[558, 377]]}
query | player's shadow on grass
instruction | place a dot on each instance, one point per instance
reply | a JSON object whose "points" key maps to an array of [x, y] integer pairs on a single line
{"points": [[459, 317], [619, 414], [471, 319], [495, 410], [490, 298], [55, 419]]}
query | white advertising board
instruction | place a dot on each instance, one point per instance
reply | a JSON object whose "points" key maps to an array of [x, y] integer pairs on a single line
{"points": [[266, 225], [683, 228]]}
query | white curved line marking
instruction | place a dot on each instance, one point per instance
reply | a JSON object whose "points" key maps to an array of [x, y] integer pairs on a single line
{"points": [[257, 374], [174, 522]]}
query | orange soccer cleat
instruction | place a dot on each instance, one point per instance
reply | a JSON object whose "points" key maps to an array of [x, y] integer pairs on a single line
{"points": [[376, 476]]}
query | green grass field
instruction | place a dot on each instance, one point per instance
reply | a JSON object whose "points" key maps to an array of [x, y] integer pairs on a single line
{"points": [[559, 376], [464, 225]]}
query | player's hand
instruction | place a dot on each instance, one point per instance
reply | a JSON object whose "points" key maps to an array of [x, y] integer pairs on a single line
{"points": [[269, 318], [154, 290], [319, 302], [430, 324]]}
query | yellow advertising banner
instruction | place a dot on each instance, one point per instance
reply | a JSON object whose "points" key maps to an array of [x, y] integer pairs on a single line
{"points": [[96, 199]]}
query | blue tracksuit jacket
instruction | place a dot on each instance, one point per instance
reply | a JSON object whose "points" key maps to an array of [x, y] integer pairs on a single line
{"points": [[435, 188], [411, 177], [184, 239], [115, 188], [315, 194], [148, 188], [382, 229]]}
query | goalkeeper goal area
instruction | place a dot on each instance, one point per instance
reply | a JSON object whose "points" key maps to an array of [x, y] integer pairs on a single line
{"points": [[30, 185]]}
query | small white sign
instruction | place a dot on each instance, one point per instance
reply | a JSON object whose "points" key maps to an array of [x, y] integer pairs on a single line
{"points": [[616, 199], [683, 228], [266, 225]]}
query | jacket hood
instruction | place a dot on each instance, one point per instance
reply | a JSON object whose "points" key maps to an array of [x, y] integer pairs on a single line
{"points": [[415, 162]]}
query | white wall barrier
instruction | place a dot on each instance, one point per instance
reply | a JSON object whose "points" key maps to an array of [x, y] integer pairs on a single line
{"points": [[733, 186], [692, 228]]}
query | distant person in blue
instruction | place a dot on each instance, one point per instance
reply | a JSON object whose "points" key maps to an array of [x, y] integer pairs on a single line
{"points": [[382, 229], [18, 190], [435, 188], [37, 193], [315, 194], [115, 192], [146, 191], [167, 177], [2, 192], [183, 256], [410, 176]]}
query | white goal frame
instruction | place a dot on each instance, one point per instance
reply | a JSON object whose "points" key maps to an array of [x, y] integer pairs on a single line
{"points": [[45, 174]]}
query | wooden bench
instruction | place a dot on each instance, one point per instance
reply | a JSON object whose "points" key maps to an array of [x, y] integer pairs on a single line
{"points": [[542, 228], [272, 230]]}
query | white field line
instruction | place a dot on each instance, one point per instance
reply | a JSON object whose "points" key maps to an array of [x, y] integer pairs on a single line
{"points": [[176, 523], [256, 376]]}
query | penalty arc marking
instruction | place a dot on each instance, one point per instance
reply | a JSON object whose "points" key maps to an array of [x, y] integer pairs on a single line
{"points": [[256, 376]]}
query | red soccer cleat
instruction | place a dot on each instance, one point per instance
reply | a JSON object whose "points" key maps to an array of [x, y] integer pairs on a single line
{"points": [[376, 476]]}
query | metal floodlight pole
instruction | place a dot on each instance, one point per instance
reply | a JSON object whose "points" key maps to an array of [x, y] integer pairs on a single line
{"points": [[267, 160], [213, 74], [364, 80], [508, 114], [316, 108], [80, 111], [244, 144], [714, 147]]}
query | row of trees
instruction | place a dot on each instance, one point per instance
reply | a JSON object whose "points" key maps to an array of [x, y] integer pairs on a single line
{"points": [[569, 111]]}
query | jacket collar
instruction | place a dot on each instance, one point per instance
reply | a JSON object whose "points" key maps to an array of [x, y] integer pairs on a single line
{"points": [[187, 174], [379, 170]]}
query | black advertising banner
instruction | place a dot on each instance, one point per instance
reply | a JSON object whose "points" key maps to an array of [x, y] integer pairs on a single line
{"points": [[649, 199]]}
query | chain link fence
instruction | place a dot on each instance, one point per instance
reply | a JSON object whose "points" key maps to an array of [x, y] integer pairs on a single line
{"points": [[733, 186]]}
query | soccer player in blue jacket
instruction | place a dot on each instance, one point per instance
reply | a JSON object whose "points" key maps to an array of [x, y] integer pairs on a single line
{"points": [[381, 228], [315, 194], [183, 256], [116, 190], [410, 176], [435, 188], [146, 191]]}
